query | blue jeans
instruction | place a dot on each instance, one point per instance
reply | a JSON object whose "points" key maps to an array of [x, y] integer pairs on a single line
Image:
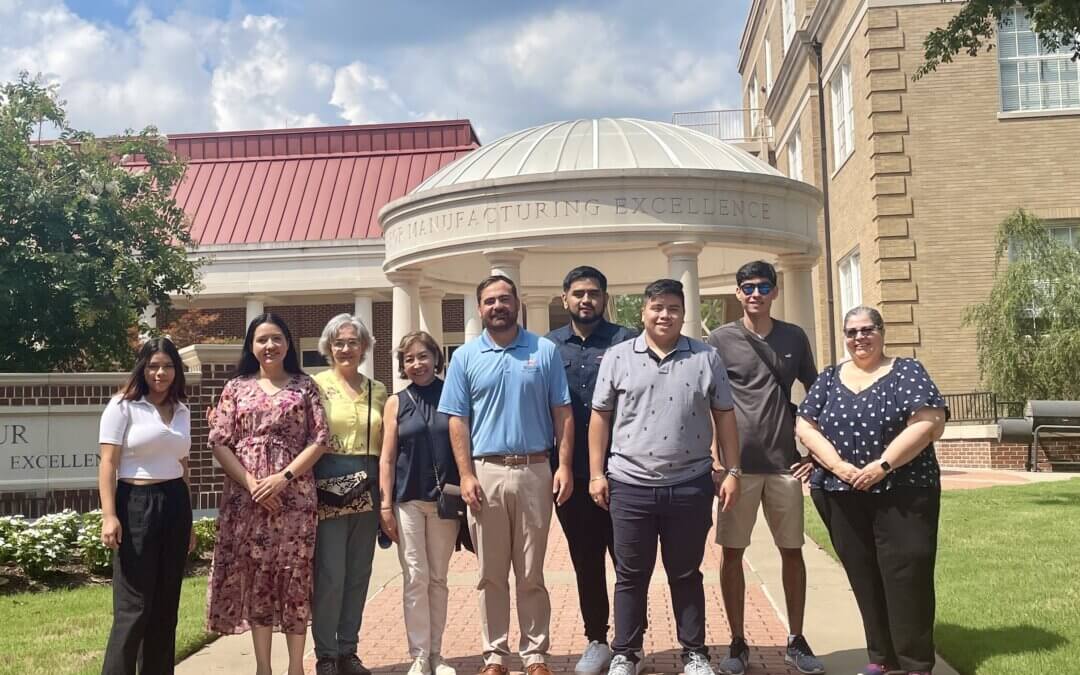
{"points": [[679, 517]]}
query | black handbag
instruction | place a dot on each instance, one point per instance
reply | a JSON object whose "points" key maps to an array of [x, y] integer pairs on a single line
{"points": [[352, 491], [449, 503]]}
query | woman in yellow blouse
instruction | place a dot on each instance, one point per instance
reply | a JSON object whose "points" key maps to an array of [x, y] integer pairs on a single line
{"points": [[347, 476]]}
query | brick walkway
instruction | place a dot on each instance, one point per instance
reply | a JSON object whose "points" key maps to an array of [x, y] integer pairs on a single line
{"points": [[383, 646]]}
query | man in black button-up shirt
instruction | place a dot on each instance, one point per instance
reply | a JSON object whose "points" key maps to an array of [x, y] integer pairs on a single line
{"points": [[582, 344]]}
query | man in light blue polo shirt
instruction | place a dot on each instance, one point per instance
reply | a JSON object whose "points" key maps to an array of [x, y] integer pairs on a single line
{"points": [[507, 399]]}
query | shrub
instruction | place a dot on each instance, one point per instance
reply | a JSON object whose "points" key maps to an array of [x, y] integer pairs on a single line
{"points": [[47, 543], [10, 528], [94, 554], [42, 546], [205, 533]]}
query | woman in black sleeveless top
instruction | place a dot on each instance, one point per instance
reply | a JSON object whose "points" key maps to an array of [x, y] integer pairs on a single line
{"points": [[416, 461]]}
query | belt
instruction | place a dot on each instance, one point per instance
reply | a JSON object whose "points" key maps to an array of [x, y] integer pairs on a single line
{"points": [[516, 460]]}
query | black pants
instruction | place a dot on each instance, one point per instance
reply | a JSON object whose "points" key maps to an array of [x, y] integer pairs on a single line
{"points": [[588, 535], [679, 516], [155, 523], [888, 545]]}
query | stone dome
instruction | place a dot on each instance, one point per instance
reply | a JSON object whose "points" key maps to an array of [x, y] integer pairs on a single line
{"points": [[595, 144]]}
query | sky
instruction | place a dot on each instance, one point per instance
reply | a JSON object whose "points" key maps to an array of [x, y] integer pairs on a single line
{"points": [[206, 65]]}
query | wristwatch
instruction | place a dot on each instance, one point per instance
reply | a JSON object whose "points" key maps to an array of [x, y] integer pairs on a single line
{"points": [[288, 475], [885, 466], [735, 471]]}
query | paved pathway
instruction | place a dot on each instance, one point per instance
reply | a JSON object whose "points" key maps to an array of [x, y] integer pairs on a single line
{"points": [[383, 646]]}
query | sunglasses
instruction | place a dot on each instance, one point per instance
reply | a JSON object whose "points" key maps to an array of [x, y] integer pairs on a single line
{"points": [[853, 333], [764, 287]]}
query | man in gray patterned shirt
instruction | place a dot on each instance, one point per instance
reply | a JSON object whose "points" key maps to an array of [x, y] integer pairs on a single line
{"points": [[666, 392]]}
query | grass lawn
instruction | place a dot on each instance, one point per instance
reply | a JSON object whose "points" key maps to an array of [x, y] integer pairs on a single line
{"points": [[64, 632], [1008, 578]]}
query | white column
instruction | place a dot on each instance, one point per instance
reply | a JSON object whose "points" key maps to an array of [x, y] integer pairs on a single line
{"points": [[149, 315], [364, 309], [473, 325], [255, 306], [537, 305], [507, 262], [431, 312], [406, 312], [797, 292], [683, 266]]}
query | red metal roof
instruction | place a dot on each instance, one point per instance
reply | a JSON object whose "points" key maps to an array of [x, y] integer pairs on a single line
{"points": [[308, 184]]}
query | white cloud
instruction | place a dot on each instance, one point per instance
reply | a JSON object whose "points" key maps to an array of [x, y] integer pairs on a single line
{"points": [[261, 81], [191, 72], [364, 97]]}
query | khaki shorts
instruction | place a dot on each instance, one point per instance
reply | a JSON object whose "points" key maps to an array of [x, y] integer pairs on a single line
{"points": [[780, 496]]}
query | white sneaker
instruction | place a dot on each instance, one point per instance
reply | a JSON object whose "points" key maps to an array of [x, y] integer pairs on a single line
{"points": [[420, 666], [594, 660], [620, 665], [440, 667], [697, 664]]}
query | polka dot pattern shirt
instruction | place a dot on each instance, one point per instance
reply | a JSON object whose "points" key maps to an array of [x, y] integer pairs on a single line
{"points": [[860, 426]]}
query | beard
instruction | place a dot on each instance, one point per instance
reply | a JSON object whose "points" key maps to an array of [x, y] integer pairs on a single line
{"points": [[587, 320], [505, 320]]}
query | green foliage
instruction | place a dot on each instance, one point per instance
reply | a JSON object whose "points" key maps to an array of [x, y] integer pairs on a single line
{"points": [[205, 533], [1028, 329], [86, 240], [1056, 21], [11, 528], [628, 310], [95, 555], [47, 543]]}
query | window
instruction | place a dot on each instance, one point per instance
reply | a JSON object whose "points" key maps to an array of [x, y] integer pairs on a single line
{"points": [[1067, 234], [850, 283], [754, 106], [1033, 78], [843, 114], [794, 156], [787, 20], [767, 46]]}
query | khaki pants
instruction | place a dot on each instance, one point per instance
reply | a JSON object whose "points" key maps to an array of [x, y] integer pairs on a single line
{"points": [[511, 528], [426, 544]]}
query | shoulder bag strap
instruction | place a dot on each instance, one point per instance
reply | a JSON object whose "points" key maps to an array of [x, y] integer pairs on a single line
{"points": [[765, 358], [370, 403], [431, 441]]}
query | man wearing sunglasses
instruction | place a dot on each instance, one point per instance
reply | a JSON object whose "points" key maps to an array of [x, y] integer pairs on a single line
{"points": [[764, 357]]}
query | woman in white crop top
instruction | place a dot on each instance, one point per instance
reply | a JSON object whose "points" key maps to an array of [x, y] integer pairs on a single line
{"points": [[146, 509]]}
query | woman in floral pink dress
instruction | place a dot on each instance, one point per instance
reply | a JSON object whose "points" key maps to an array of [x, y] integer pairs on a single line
{"points": [[268, 430]]}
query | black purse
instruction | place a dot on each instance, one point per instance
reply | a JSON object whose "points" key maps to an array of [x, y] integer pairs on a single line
{"points": [[351, 491], [449, 503]]}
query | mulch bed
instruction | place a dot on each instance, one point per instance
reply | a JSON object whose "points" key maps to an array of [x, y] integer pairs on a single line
{"points": [[12, 579]]}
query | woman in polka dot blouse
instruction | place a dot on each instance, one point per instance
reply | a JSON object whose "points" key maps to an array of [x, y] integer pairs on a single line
{"points": [[870, 424]]}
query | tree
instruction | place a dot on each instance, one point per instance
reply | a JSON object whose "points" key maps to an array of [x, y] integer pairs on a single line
{"points": [[1028, 329], [628, 312], [1057, 22], [85, 241]]}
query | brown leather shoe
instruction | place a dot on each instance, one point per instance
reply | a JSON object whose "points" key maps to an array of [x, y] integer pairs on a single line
{"points": [[494, 669], [538, 669]]}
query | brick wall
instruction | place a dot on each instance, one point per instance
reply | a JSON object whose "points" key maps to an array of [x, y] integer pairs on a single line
{"points": [[989, 454], [453, 315]]}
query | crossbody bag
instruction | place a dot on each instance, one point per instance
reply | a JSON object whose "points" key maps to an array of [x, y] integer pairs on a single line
{"points": [[350, 491], [448, 501], [765, 358]]}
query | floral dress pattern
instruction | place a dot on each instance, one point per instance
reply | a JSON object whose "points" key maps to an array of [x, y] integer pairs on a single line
{"points": [[262, 569]]}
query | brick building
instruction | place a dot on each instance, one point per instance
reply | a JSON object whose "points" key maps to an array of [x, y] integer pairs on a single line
{"points": [[920, 172], [287, 221]]}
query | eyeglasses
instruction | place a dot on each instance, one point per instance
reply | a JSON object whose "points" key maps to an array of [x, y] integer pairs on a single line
{"points": [[763, 287], [340, 345], [853, 333]]}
